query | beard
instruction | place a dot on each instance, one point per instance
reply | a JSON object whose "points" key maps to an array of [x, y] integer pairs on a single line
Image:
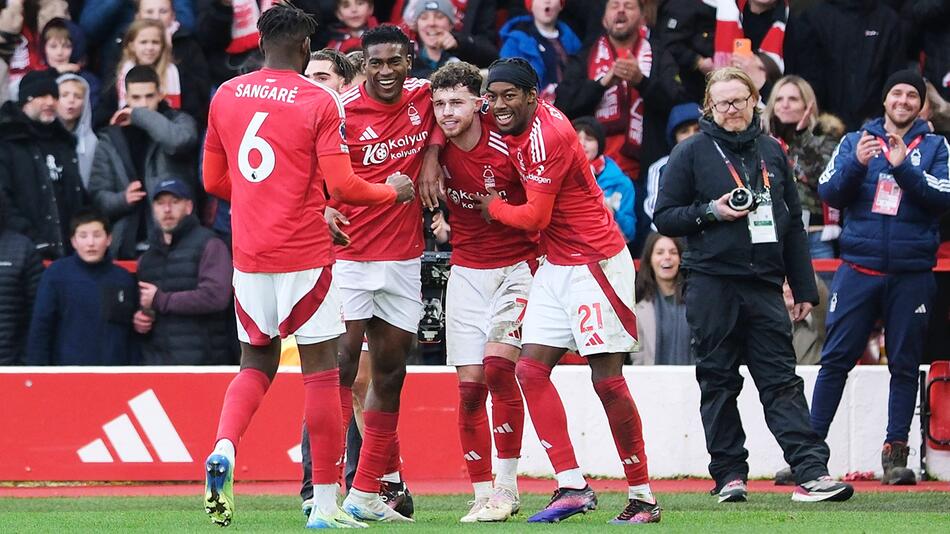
{"points": [[622, 35], [901, 124]]}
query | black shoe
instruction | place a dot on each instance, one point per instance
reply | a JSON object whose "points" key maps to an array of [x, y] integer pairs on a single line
{"points": [[784, 477], [638, 511], [894, 460], [396, 495]]}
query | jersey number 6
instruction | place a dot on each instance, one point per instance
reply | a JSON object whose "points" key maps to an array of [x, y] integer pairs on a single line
{"points": [[250, 142]]}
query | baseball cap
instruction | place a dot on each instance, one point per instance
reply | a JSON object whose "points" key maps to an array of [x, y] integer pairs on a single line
{"points": [[174, 186]]}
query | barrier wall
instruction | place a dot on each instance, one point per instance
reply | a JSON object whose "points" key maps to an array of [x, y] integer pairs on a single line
{"points": [[159, 424]]}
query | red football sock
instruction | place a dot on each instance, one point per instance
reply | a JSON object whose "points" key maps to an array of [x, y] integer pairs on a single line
{"points": [[625, 426], [324, 423], [379, 433], [346, 404], [473, 430], [507, 408], [395, 459], [547, 411], [241, 400]]}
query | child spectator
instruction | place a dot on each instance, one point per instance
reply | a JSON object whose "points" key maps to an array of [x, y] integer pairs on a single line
{"points": [[661, 311], [144, 44], [64, 49], [542, 40], [682, 124], [75, 112], [619, 194], [84, 304], [355, 17]]}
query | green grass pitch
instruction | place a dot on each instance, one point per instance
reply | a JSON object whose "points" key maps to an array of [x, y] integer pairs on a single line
{"points": [[912, 513]]}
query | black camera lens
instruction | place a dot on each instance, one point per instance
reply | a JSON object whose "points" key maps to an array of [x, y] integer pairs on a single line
{"points": [[741, 199]]}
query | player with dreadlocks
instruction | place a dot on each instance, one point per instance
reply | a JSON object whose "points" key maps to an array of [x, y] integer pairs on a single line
{"points": [[274, 136]]}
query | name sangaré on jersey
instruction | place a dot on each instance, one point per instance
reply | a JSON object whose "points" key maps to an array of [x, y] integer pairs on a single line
{"points": [[401, 147], [267, 92]]}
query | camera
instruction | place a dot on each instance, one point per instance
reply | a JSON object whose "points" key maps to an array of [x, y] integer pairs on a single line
{"points": [[741, 199]]}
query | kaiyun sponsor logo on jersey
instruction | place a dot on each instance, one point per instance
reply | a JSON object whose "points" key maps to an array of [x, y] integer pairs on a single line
{"points": [[376, 153]]}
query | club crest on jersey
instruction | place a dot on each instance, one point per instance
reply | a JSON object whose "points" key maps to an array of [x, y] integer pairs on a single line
{"points": [[489, 177], [414, 116], [915, 157]]}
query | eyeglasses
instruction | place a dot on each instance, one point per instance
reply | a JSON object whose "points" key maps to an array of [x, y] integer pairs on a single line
{"points": [[738, 104]]}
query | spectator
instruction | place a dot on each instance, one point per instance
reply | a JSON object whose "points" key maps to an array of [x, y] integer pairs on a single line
{"points": [[846, 49], [105, 21], [792, 116], [686, 28], [474, 29], [354, 17], [74, 110], [186, 55], [146, 141], [18, 22], [435, 23], [762, 22], [19, 278], [682, 124], [619, 194], [930, 21], [84, 305], [184, 287], [891, 179], [737, 259], [64, 49], [661, 311], [543, 41], [39, 173], [145, 45], [808, 334]]}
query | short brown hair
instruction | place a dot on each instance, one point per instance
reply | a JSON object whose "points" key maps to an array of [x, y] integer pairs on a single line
{"points": [[727, 74], [458, 73], [341, 64]]}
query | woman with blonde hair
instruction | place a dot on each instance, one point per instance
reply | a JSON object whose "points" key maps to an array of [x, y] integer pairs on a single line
{"points": [[791, 116]]}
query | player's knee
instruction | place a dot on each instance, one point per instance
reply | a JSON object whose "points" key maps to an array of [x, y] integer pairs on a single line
{"points": [[472, 397], [530, 371], [389, 381], [499, 373]]}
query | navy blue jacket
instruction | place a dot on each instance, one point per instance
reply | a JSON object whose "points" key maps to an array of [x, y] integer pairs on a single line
{"points": [[906, 242], [518, 39], [83, 315]]}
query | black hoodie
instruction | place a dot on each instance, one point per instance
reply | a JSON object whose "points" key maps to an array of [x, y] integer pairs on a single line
{"points": [[696, 175]]}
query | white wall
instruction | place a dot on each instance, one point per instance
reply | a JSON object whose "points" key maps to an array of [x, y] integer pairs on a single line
{"points": [[668, 400]]}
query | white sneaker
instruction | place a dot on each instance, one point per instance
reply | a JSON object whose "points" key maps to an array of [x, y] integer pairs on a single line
{"points": [[503, 504], [372, 509], [472, 515]]}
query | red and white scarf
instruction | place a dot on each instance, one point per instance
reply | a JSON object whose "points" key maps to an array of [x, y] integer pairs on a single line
{"points": [[244, 34], [171, 85], [729, 28], [620, 110]]}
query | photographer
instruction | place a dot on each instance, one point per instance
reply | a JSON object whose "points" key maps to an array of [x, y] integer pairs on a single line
{"points": [[729, 190]]}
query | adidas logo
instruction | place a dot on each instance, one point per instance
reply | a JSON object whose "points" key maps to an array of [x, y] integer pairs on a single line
{"points": [[921, 309], [503, 429], [472, 456], [545, 444], [369, 134], [631, 460], [594, 340], [126, 442]]}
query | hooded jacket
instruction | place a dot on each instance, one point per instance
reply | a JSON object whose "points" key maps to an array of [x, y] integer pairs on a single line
{"points": [[620, 195], [519, 39], [696, 175], [39, 179], [846, 49], [907, 241], [86, 139], [173, 137]]}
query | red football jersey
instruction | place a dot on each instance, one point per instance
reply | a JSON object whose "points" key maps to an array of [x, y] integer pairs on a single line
{"points": [[551, 160], [384, 139], [476, 243], [272, 125]]}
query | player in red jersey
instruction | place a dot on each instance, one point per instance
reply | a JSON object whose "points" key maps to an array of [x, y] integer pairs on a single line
{"points": [[487, 290], [390, 121], [582, 296], [273, 137]]}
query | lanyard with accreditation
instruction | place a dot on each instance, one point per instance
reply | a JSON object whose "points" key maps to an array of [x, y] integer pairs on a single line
{"points": [[887, 195], [761, 221]]}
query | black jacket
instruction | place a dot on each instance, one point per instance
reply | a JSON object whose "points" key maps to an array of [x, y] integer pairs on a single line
{"points": [[930, 20], [20, 271], [476, 39], [577, 95], [686, 29], [39, 179], [846, 49], [696, 174]]}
